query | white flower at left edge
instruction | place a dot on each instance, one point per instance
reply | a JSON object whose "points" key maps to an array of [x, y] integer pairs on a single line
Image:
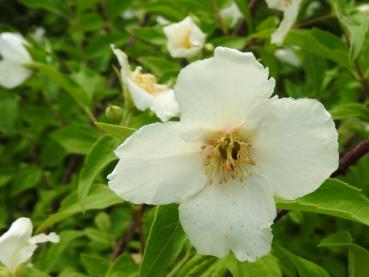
{"points": [[184, 39], [17, 244], [145, 91], [290, 9], [14, 57], [233, 149]]}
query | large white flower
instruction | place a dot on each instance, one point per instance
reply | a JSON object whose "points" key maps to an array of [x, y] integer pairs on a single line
{"points": [[290, 9], [184, 39], [17, 244], [14, 57], [145, 91], [232, 150]]}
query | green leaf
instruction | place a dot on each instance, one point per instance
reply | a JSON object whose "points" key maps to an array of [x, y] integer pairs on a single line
{"points": [[358, 257], [27, 177], [116, 131], [71, 87], [334, 198], [100, 197], [94, 265], [304, 267], [266, 266], [76, 138], [57, 7], [199, 266], [165, 242], [321, 43], [99, 156], [337, 239], [50, 259], [356, 24], [9, 113], [124, 265], [160, 67], [358, 261], [153, 35], [349, 111]]}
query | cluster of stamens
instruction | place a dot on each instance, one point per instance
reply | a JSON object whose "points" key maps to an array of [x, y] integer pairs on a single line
{"points": [[226, 158], [147, 82], [186, 43]]}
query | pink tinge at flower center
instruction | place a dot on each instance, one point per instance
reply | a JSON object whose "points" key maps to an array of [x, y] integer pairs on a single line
{"points": [[225, 158]]}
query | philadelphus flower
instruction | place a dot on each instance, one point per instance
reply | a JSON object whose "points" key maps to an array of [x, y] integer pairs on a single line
{"points": [[287, 55], [184, 39], [231, 13], [233, 149], [14, 57], [17, 244], [363, 9], [290, 9], [145, 91]]}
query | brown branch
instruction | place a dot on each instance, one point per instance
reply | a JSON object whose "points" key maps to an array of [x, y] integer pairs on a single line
{"points": [[351, 156], [348, 158], [123, 242], [241, 28], [218, 17]]}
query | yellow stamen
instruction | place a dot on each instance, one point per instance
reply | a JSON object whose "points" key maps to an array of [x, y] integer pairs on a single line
{"points": [[147, 82], [226, 158], [186, 43]]}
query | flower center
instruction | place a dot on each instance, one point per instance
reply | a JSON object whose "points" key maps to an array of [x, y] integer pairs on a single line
{"points": [[186, 43], [226, 158], [287, 3], [147, 82]]}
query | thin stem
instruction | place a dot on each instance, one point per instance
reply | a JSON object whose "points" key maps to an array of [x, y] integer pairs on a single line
{"points": [[315, 20], [218, 17], [123, 242]]}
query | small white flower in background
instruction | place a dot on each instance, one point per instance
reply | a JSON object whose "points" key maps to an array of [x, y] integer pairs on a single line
{"points": [[290, 9], [128, 14], [146, 93], [184, 39], [17, 244], [39, 34], [363, 9], [288, 56], [162, 20], [232, 14], [13, 58], [233, 149]]}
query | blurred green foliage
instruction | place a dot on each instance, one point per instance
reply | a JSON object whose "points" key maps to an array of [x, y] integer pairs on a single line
{"points": [[57, 141]]}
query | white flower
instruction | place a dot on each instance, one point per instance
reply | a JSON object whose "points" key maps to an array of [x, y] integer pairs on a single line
{"points": [[231, 13], [288, 56], [363, 9], [232, 150], [145, 91], [14, 56], [184, 39], [17, 244], [162, 20], [290, 9]]}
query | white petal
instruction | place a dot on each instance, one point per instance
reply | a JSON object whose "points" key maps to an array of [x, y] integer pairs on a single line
{"points": [[12, 74], [288, 56], [157, 167], [233, 216], [123, 62], [14, 247], [142, 99], [232, 13], [290, 14], [294, 145], [220, 91], [176, 33], [12, 48], [42, 238], [165, 106]]}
